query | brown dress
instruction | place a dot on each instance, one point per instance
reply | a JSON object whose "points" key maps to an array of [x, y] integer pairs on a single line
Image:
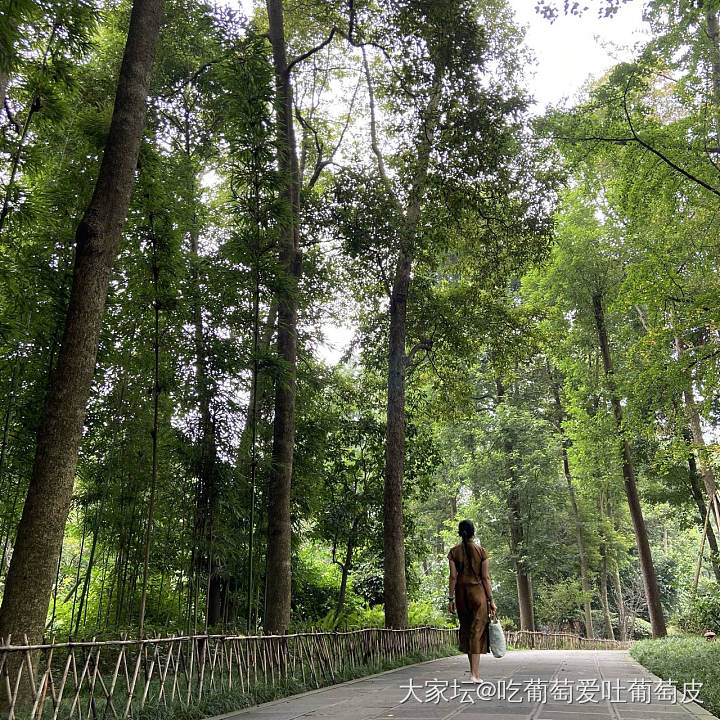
{"points": [[471, 599]]}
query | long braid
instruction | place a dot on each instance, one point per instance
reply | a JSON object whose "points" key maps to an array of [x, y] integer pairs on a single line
{"points": [[466, 548]]}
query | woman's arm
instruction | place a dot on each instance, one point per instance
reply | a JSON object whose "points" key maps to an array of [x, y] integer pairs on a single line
{"points": [[485, 573], [453, 580]]}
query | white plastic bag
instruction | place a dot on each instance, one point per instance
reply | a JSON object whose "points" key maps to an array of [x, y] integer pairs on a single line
{"points": [[498, 646]]}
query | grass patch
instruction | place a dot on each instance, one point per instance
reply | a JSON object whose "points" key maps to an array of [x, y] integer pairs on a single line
{"points": [[225, 702], [684, 659]]}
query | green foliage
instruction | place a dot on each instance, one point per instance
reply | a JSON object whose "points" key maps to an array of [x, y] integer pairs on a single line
{"points": [[684, 659], [420, 614], [703, 612], [642, 629], [561, 602], [315, 587], [515, 236], [508, 623]]}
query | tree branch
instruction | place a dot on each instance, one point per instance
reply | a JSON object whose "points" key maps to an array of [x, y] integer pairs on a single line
{"points": [[310, 52], [383, 274], [373, 128], [11, 117], [425, 344], [663, 157], [320, 165], [643, 319], [589, 138]]}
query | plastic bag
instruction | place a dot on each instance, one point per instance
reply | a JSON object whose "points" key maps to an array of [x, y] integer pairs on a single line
{"points": [[498, 646]]}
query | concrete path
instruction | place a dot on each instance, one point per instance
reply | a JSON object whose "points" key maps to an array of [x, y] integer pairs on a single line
{"points": [[524, 685]]}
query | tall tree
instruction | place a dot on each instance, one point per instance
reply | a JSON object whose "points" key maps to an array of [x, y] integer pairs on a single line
{"points": [[517, 529], [277, 596], [395, 593], [40, 533], [586, 276], [296, 180], [448, 150], [564, 445]]}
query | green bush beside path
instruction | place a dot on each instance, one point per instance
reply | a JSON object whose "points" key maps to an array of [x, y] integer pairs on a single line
{"points": [[683, 659]]}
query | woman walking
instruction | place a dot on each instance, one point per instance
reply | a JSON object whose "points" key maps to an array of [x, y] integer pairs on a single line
{"points": [[471, 594]]}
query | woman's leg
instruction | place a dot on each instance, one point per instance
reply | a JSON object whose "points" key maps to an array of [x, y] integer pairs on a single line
{"points": [[470, 661], [475, 667], [478, 645], [465, 617]]}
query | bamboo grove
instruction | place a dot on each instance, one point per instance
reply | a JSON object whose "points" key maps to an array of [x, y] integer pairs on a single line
{"points": [[196, 202]]}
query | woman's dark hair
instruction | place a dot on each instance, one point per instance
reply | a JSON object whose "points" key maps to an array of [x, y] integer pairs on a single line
{"points": [[466, 530]]}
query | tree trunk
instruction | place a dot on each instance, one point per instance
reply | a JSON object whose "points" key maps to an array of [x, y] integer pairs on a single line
{"points": [[3, 90], [5, 434], [7, 528], [34, 106], [247, 449], [207, 465], [706, 470], [609, 634], [713, 35], [584, 579], [258, 394], [76, 584], [698, 497], [605, 508], [525, 598], [622, 624], [11, 21], [394, 586], [214, 602], [86, 585], [394, 583], [517, 533], [343, 591], [206, 468], [652, 594], [41, 529], [154, 433], [277, 597], [531, 595], [346, 565], [617, 586], [565, 443]]}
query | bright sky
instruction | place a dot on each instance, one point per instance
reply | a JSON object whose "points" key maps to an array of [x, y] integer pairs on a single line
{"points": [[574, 48]]}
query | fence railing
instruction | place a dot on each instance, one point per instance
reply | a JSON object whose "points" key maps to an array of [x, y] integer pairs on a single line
{"points": [[118, 678], [560, 641]]}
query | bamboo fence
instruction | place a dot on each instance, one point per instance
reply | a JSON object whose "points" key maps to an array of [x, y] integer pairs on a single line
{"points": [[559, 641], [95, 680], [118, 678]]}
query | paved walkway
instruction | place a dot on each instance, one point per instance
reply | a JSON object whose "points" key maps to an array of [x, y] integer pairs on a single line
{"points": [[524, 685]]}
